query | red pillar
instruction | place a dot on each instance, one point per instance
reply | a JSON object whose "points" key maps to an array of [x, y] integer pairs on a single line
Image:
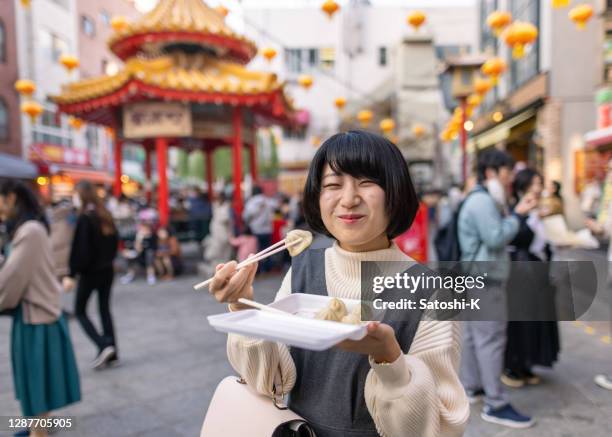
{"points": [[253, 162], [464, 168], [237, 158], [210, 177], [149, 180], [118, 172], [161, 146]]}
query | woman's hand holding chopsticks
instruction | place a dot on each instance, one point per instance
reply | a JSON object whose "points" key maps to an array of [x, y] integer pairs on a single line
{"points": [[230, 284]]}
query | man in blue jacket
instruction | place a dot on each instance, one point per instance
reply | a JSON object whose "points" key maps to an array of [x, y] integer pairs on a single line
{"points": [[485, 228]]}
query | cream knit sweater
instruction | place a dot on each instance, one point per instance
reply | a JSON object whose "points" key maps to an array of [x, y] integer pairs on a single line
{"points": [[417, 395]]}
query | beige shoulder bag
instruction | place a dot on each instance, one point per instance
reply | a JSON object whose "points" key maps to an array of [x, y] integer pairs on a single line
{"points": [[238, 411]]}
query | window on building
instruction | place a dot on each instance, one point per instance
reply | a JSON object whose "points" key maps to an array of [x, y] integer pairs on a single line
{"points": [[293, 60], [4, 121], [2, 42], [88, 26], [327, 57], [382, 56], [313, 57], [488, 40], [62, 3], [105, 17], [526, 68], [53, 45]]}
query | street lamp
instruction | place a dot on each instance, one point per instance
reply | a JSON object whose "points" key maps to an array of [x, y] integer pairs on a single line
{"points": [[463, 71]]}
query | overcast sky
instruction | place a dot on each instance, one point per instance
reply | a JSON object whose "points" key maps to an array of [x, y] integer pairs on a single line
{"points": [[146, 5]]}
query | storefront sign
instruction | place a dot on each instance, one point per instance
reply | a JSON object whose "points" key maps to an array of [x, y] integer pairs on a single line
{"points": [[157, 119], [46, 153]]}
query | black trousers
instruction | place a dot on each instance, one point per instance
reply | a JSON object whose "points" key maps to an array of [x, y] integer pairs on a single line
{"points": [[101, 282]]}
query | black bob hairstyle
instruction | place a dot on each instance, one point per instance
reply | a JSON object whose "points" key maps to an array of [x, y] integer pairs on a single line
{"points": [[364, 155], [493, 159]]}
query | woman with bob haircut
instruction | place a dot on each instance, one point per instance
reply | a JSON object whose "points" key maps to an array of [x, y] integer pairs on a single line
{"points": [[399, 380]]}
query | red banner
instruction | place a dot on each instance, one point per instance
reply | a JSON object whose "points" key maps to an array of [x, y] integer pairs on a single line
{"points": [[414, 242]]}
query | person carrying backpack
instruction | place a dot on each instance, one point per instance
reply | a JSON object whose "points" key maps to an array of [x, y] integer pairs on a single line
{"points": [[484, 229]]}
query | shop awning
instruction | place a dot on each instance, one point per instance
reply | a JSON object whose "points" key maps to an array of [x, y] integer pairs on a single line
{"points": [[78, 174], [500, 132], [598, 138], [16, 168]]}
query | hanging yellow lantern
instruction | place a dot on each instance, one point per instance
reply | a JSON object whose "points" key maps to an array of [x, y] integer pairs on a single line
{"points": [[75, 123], [340, 102], [494, 68], [416, 19], [474, 100], [269, 53], [482, 86], [119, 23], [33, 109], [306, 81], [394, 139], [315, 141], [387, 125], [365, 117], [69, 62], [26, 3], [330, 7], [518, 35], [560, 3], [25, 87], [222, 10], [498, 21], [581, 15], [418, 130]]}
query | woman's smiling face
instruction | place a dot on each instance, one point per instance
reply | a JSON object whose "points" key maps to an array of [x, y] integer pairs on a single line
{"points": [[353, 211]]}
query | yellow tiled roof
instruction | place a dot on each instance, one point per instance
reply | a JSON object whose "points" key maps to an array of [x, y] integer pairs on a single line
{"points": [[180, 15], [197, 73]]}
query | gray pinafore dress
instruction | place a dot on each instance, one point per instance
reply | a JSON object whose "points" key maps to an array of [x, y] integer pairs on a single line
{"points": [[329, 387]]}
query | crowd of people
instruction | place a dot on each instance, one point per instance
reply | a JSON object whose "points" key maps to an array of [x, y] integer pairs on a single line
{"points": [[504, 213]]}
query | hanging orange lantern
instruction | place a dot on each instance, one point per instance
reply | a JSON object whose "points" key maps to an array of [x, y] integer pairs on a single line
{"points": [[365, 117], [387, 125], [26, 3], [482, 86], [33, 109], [330, 7], [222, 10], [269, 53], [315, 141], [498, 21], [306, 81], [69, 62], [581, 15], [416, 19], [340, 102], [518, 35], [418, 130], [25, 87], [75, 123], [494, 68], [110, 132], [474, 100], [119, 23], [560, 3]]}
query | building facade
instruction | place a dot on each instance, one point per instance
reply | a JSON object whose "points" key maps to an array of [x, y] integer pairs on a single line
{"points": [[543, 105], [356, 55], [32, 41]]}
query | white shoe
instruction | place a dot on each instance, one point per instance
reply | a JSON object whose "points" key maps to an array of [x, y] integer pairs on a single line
{"points": [[604, 381], [127, 278], [151, 280], [103, 357]]}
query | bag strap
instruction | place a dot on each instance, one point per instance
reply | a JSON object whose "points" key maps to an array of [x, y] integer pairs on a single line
{"points": [[278, 400]]}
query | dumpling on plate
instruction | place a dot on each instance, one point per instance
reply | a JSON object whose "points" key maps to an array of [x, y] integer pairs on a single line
{"points": [[334, 311]]}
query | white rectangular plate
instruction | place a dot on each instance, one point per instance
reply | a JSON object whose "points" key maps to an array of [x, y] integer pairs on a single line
{"points": [[298, 328]]}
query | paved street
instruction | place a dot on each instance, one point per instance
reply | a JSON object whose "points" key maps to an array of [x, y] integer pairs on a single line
{"points": [[172, 361]]}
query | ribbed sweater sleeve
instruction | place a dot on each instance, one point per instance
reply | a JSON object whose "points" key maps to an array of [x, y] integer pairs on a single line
{"points": [[261, 362], [420, 394]]}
